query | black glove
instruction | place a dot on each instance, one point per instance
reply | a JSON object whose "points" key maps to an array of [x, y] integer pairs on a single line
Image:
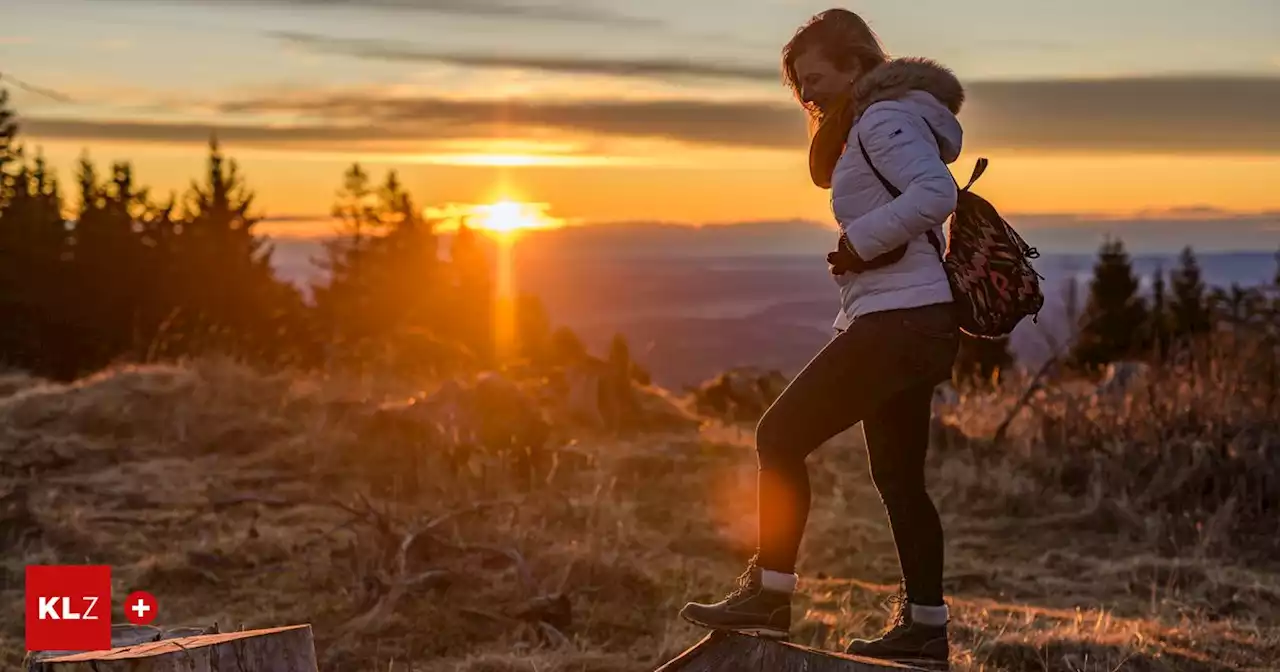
{"points": [[843, 260]]}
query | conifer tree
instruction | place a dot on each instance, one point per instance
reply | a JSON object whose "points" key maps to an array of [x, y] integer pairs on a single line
{"points": [[1189, 309], [1159, 318], [1115, 316]]}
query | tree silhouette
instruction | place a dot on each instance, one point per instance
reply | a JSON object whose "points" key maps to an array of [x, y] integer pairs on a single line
{"points": [[472, 301], [32, 244], [1236, 305], [1189, 309], [1115, 315], [1159, 318], [114, 271], [230, 298], [127, 278], [386, 294], [533, 330], [1275, 279], [8, 144]]}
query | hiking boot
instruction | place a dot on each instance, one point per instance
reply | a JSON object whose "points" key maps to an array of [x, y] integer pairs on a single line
{"points": [[750, 608], [906, 641]]}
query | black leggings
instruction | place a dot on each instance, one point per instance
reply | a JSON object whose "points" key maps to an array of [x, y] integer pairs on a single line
{"points": [[880, 371]]}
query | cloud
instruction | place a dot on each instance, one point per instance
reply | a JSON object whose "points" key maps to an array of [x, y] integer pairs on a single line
{"points": [[1205, 113], [1206, 230], [362, 118], [562, 11], [394, 51], [1188, 115], [146, 131]]}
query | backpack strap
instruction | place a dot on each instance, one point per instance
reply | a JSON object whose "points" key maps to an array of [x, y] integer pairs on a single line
{"points": [[895, 192], [978, 169]]}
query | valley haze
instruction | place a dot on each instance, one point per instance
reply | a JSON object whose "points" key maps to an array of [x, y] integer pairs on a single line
{"points": [[695, 300]]}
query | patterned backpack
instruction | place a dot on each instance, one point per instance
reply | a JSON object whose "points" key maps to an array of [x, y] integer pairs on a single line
{"points": [[987, 263]]}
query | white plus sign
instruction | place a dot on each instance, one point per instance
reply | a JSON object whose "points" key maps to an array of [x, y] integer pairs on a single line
{"points": [[140, 608]]}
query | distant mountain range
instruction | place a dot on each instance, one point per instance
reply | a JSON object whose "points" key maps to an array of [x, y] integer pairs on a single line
{"points": [[694, 301]]}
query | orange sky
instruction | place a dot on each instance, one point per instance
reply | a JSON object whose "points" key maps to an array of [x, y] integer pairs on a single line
{"points": [[659, 111], [762, 186]]}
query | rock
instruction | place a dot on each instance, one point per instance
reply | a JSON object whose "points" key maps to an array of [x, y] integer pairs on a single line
{"points": [[739, 394], [602, 395]]}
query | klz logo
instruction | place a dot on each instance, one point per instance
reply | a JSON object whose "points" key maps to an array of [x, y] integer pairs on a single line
{"points": [[49, 609], [68, 607]]}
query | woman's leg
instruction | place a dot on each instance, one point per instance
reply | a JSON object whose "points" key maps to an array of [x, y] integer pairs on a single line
{"points": [[851, 376], [897, 434], [897, 440], [830, 395], [819, 403]]}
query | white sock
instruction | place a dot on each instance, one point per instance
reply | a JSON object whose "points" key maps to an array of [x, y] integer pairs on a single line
{"points": [[929, 615], [778, 582]]}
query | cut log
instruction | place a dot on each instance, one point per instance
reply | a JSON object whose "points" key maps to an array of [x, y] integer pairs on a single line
{"points": [[727, 651], [287, 649]]}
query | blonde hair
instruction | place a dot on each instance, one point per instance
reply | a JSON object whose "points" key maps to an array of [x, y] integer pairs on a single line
{"points": [[846, 40], [843, 38]]}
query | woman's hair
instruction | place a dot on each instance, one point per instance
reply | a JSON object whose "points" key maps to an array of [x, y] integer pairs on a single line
{"points": [[844, 38]]}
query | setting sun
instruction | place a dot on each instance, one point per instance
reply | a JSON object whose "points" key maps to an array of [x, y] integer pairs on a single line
{"points": [[508, 216]]}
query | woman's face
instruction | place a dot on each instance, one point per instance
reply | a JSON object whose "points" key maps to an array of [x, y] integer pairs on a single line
{"points": [[820, 81]]}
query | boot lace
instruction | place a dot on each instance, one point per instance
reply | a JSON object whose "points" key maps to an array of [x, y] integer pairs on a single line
{"points": [[898, 609], [746, 582]]}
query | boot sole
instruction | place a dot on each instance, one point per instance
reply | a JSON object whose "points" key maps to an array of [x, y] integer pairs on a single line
{"points": [[763, 632], [931, 664]]}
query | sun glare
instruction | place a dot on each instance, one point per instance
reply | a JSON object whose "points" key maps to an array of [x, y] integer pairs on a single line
{"points": [[502, 220], [512, 217]]}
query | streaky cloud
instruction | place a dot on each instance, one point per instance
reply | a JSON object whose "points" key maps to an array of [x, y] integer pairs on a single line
{"points": [[567, 12], [394, 51], [1195, 115]]}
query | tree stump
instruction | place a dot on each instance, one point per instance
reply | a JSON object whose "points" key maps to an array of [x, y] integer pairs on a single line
{"points": [[287, 649], [729, 652]]}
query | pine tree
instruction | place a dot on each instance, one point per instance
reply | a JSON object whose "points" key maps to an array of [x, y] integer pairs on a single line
{"points": [[1236, 305], [111, 270], [9, 148], [406, 273], [1115, 315], [1159, 318], [533, 330], [1189, 310], [228, 297], [32, 245], [473, 298], [566, 347], [342, 299], [386, 289]]}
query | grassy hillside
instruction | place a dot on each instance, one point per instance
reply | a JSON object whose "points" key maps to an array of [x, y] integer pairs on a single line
{"points": [[1131, 532]]}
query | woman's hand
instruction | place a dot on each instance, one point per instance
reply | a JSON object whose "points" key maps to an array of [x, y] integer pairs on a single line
{"points": [[844, 259]]}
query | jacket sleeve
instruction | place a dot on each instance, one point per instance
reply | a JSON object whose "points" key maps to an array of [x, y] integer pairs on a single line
{"points": [[905, 152]]}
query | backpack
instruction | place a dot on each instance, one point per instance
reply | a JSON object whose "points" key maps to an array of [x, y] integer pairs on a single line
{"points": [[986, 261]]}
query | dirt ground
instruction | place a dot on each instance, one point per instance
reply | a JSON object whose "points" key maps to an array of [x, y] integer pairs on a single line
{"points": [[259, 501]]}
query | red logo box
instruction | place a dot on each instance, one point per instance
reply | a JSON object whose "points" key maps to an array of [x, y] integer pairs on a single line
{"points": [[68, 607]]}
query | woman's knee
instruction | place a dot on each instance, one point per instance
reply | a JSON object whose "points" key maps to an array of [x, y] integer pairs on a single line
{"points": [[899, 487], [772, 450]]}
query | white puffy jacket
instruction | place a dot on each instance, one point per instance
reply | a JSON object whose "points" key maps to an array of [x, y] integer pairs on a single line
{"points": [[908, 125]]}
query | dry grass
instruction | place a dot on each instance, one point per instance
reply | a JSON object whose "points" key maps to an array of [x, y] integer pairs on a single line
{"points": [[267, 500]]}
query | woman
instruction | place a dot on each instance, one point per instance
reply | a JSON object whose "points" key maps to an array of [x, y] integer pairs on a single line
{"points": [[896, 332]]}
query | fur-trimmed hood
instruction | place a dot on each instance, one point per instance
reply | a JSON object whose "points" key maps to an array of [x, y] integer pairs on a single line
{"points": [[900, 76]]}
